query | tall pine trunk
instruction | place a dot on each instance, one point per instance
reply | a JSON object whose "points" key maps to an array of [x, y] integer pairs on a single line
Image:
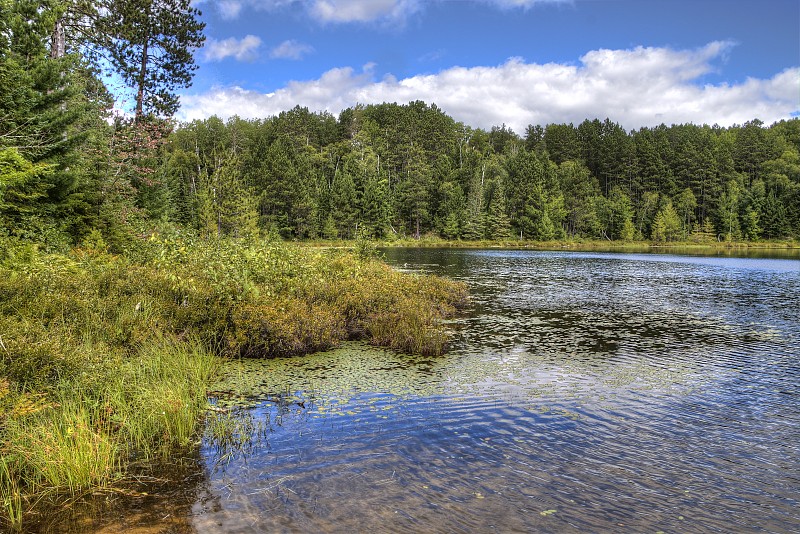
{"points": [[141, 80], [58, 40]]}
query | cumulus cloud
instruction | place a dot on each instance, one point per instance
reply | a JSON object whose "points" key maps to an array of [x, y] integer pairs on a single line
{"points": [[242, 49], [290, 49], [636, 87], [360, 11]]}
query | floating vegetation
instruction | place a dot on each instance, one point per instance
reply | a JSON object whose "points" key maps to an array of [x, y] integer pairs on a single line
{"points": [[331, 378]]}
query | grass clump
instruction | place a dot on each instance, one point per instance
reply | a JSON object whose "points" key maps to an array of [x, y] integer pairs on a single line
{"points": [[84, 432], [105, 360]]}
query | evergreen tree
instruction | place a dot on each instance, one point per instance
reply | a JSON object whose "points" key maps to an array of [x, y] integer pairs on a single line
{"points": [[579, 190], [475, 223], [773, 218], [498, 225], [704, 233], [685, 204], [561, 142], [667, 224], [452, 210], [22, 186], [413, 191], [617, 216], [228, 206], [645, 212], [150, 45], [50, 112]]}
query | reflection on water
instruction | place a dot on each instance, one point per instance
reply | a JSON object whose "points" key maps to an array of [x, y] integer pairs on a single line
{"points": [[583, 392]]}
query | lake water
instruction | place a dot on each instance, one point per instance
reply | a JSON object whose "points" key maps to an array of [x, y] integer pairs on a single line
{"points": [[583, 392]]}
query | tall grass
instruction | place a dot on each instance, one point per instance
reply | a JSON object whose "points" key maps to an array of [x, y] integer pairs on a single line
{"points": [[150, 404], [159, 395], [63, 448], [10, 493], [106, 358]]}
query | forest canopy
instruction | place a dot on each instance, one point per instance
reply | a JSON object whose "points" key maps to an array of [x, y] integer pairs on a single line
{"points": [[70, 167], [406, 170]]}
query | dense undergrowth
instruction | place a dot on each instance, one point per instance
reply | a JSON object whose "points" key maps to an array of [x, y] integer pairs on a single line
{"points": [[105, 359]]}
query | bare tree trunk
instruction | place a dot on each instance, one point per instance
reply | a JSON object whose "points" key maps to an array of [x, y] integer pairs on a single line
{"points": [[142, 74], [58, 40]]}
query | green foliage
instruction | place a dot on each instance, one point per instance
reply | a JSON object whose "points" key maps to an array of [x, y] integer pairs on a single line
{"points": [[410, 171], [728, 210], [103, 357], [617, 216], [365, 247], [704, 233], [217, 291], [150, 46], [21, 186], [667, 224]]}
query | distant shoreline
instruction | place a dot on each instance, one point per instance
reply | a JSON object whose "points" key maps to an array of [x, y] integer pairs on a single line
{"points": [[789, 246]]}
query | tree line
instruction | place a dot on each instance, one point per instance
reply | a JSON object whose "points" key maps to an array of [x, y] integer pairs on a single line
{"points": [[408, 170], [69, 168]]}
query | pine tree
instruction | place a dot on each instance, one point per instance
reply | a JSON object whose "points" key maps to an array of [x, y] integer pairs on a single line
{"points": [[667, 224], [22, 186], [685, 205], [498, 225], [475, 223], [50, 112], [617, 216], [150, 45], [228, 206], [703, 233]]}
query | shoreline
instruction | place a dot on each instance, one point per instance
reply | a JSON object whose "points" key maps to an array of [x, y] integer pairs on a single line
{"points": [[791, 247]]}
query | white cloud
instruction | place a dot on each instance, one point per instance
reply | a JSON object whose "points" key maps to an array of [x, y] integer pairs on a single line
{"points": [[394, 12], [636, 87], [290, 49], [339, 11], [242, 49], [229, 9]]}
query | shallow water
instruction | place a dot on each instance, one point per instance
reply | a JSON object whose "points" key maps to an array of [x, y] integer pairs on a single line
{"points": [[583, 392]]}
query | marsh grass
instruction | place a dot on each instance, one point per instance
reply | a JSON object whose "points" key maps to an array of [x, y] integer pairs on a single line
{"points": [[231, 434], [147, 405], [105, 359], [62, 448], [10, 493], [159, 395]]}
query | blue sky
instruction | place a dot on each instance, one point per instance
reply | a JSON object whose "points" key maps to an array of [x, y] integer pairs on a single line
{"points": [[518, 62]]}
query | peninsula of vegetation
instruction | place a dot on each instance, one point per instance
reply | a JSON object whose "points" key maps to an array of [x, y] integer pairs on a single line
{"points": [[135, 250]]}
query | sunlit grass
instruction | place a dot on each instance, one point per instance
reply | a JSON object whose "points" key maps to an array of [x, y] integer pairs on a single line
{"points": [[106, 358]]}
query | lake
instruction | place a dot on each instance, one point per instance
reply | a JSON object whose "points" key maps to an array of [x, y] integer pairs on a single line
{"points": [[582, 392]]}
